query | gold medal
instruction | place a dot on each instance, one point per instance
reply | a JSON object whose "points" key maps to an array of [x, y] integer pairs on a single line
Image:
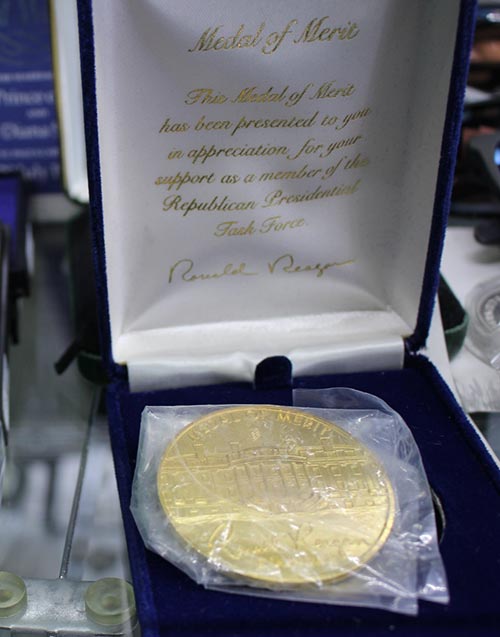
{"points": [[275, 496]]}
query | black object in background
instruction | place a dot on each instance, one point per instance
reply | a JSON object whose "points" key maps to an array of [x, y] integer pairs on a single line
{"points": [[85, 347], [14, 216], [454, 318]]}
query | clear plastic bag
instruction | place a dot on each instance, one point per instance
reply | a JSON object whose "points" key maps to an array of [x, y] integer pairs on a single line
{"points": [[326, 503]]}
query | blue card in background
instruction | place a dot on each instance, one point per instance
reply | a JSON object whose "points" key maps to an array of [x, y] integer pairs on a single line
{"points": [[10, 195], [29, 141], [13, 215]]}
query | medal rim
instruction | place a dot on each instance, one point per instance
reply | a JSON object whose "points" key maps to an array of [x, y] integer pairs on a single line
{"points": [[299, 582]]}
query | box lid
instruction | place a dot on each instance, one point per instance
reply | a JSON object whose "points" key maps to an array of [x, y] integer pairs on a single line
{"points": [[268, 180]]}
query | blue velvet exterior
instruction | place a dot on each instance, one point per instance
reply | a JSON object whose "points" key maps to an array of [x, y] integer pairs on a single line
{"points": [[86, 34], [464, 477], [449, 147]]}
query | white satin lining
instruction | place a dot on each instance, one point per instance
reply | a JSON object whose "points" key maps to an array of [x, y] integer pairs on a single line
{"points": [[225, 352], [177, 315]]}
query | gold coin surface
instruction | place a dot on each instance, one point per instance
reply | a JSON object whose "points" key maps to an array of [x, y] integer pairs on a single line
{"points": [[275, 496]]}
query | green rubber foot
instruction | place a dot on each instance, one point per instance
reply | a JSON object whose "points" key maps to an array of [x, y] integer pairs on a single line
{"points": [[110, 601], [13, 595]]}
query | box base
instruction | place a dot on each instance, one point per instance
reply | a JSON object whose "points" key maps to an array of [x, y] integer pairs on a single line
{"points": [[464, 476]]}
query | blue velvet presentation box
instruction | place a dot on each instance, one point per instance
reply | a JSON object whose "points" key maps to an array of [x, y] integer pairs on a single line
{"points": [[171, 337]]}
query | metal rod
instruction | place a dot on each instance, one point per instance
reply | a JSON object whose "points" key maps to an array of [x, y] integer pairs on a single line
{"points": [[68, 543]]}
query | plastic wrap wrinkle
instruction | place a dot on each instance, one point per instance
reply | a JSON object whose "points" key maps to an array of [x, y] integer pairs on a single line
{"points": [[321, 504]]}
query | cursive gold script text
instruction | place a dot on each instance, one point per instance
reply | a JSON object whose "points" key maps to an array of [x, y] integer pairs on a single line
{"points": [[286, 263], [183, 269]]}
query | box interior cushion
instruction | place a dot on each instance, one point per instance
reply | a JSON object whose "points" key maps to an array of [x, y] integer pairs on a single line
{"points": [[463, 475], [398, 64]]}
